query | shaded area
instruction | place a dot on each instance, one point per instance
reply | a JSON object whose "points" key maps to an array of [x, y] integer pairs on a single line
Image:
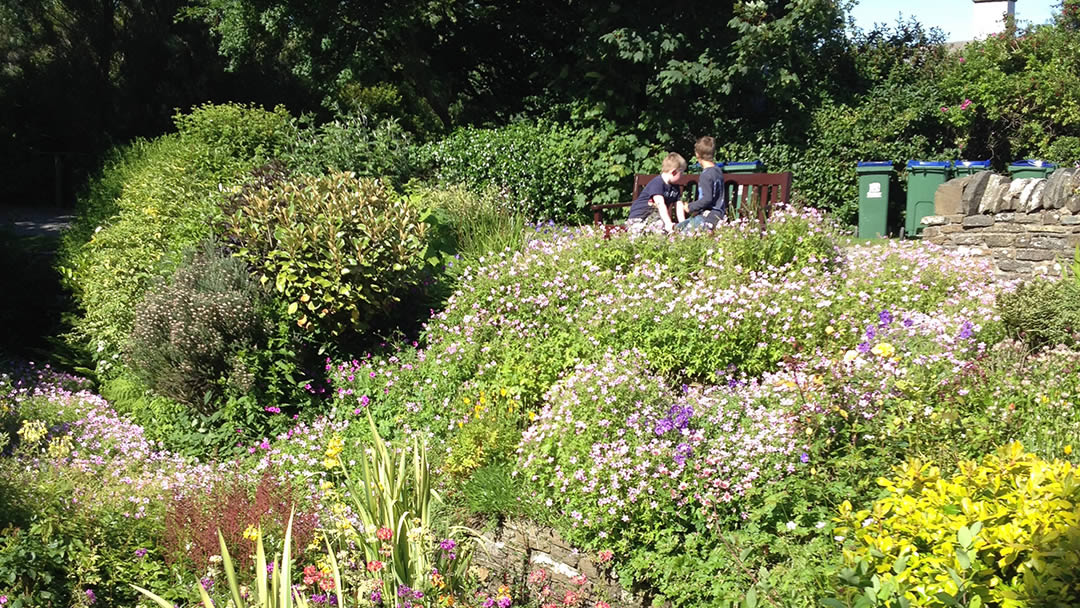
{"points": [[32, 303]]}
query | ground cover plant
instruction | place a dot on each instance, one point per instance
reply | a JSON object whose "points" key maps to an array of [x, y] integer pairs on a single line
{"points": [[696, 409]]}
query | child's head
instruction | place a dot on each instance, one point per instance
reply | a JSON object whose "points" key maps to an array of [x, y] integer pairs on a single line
{"points": [[673, 165], [705, 148]]}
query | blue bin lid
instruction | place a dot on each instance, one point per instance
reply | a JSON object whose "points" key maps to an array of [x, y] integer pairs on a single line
{"points": [[749, 163], [932, 164], [1029, 163], [972, 164], [875, 163]]}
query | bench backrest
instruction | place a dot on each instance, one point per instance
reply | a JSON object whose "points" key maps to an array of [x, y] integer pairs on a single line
{"points": [[749, 195]]}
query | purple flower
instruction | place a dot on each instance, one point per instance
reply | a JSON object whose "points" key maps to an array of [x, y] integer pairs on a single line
{"points": [[965, 330], [870, 332], [885, 317], [863, 347], [447, 544], [376, 597], [140, 552], [503, 602], [90, 597], [682, 452], [804, 458]]}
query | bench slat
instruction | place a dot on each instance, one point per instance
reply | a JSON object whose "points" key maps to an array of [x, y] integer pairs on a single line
{"points": [[754, 195]]}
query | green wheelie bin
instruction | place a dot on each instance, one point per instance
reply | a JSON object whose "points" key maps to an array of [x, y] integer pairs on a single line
{"points": [[963, 168], [873, 197], [1031, 168], [753, 166], [923, 179]]}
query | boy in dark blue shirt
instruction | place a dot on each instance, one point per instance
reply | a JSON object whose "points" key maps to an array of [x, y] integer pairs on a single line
{"points": [[652, 208], [711, 206]]}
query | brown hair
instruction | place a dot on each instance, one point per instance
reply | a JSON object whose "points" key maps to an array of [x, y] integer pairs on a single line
{"points": [[672, 162], [705, 148]]}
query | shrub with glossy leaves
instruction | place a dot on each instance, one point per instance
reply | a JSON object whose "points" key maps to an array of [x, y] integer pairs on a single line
{"points": [[1000, 532], [339, 251]]}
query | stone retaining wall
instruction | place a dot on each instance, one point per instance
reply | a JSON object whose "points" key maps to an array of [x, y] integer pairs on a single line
{"points": [[1028, 226], [517, 547]]}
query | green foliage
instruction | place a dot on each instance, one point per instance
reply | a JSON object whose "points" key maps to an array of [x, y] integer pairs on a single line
{"points": [[170, 193], [339, 252], [1014, 94], [1000, 532], [189, 330], [362, 146], [471, 224], [1042, 312], [548, 171], [53, 548]]}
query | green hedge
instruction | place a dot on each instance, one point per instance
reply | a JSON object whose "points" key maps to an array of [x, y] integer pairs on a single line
{"points": [[551, 171]]}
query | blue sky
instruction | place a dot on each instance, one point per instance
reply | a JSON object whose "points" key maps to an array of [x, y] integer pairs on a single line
{"points": [[952, 16]]}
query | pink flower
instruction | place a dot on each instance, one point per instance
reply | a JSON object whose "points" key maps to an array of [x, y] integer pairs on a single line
{"points": [[964, 106], [374, 566], [605, 556], [944, 108], [384, 534], [962, 60]]}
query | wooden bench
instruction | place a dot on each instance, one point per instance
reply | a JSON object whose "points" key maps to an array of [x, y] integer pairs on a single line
{"points": [[749, 195]]}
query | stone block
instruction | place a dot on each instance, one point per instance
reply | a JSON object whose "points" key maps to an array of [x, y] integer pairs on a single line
{"points": [[998, 195], [1070, 220], [968, 239], [1031, 196], [950, 228], [999, 240], [948, 198], [1014, 266], [1052, 269], [933, 234], [1049, 228], [973, 192], [1051, 217], [1034, 255], [1027, 218], [1058, 188], [1073, 202], [1006, 216], [975, 221], [1048, 242], [1011, 196], [973, 250], [934, 220], [1023, 241]]}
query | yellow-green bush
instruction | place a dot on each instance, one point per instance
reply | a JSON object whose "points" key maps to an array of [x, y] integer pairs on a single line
{"points": [[1001, 532], [339, 251]]}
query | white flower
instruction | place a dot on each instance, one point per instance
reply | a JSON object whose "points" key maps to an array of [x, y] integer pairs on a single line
{"points": [[790, 525]]}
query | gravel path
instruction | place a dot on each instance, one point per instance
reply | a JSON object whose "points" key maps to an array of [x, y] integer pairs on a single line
{"points": [[35, 221]]}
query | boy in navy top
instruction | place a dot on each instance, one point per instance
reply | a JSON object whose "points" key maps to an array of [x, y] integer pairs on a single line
{"points": [[652, 208], [711, 206]]}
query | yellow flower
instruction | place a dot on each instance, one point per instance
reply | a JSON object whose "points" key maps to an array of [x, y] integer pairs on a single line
{"points": [[1068, 450], [829, 330], [466, 400], [502, 391], [884, 349], [251, 533], [33, 431], [850, 356], [325, 485]]}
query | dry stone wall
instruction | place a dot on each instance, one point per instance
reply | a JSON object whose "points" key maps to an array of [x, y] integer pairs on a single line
{"points": [[1028, 226], [516, 547]]}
